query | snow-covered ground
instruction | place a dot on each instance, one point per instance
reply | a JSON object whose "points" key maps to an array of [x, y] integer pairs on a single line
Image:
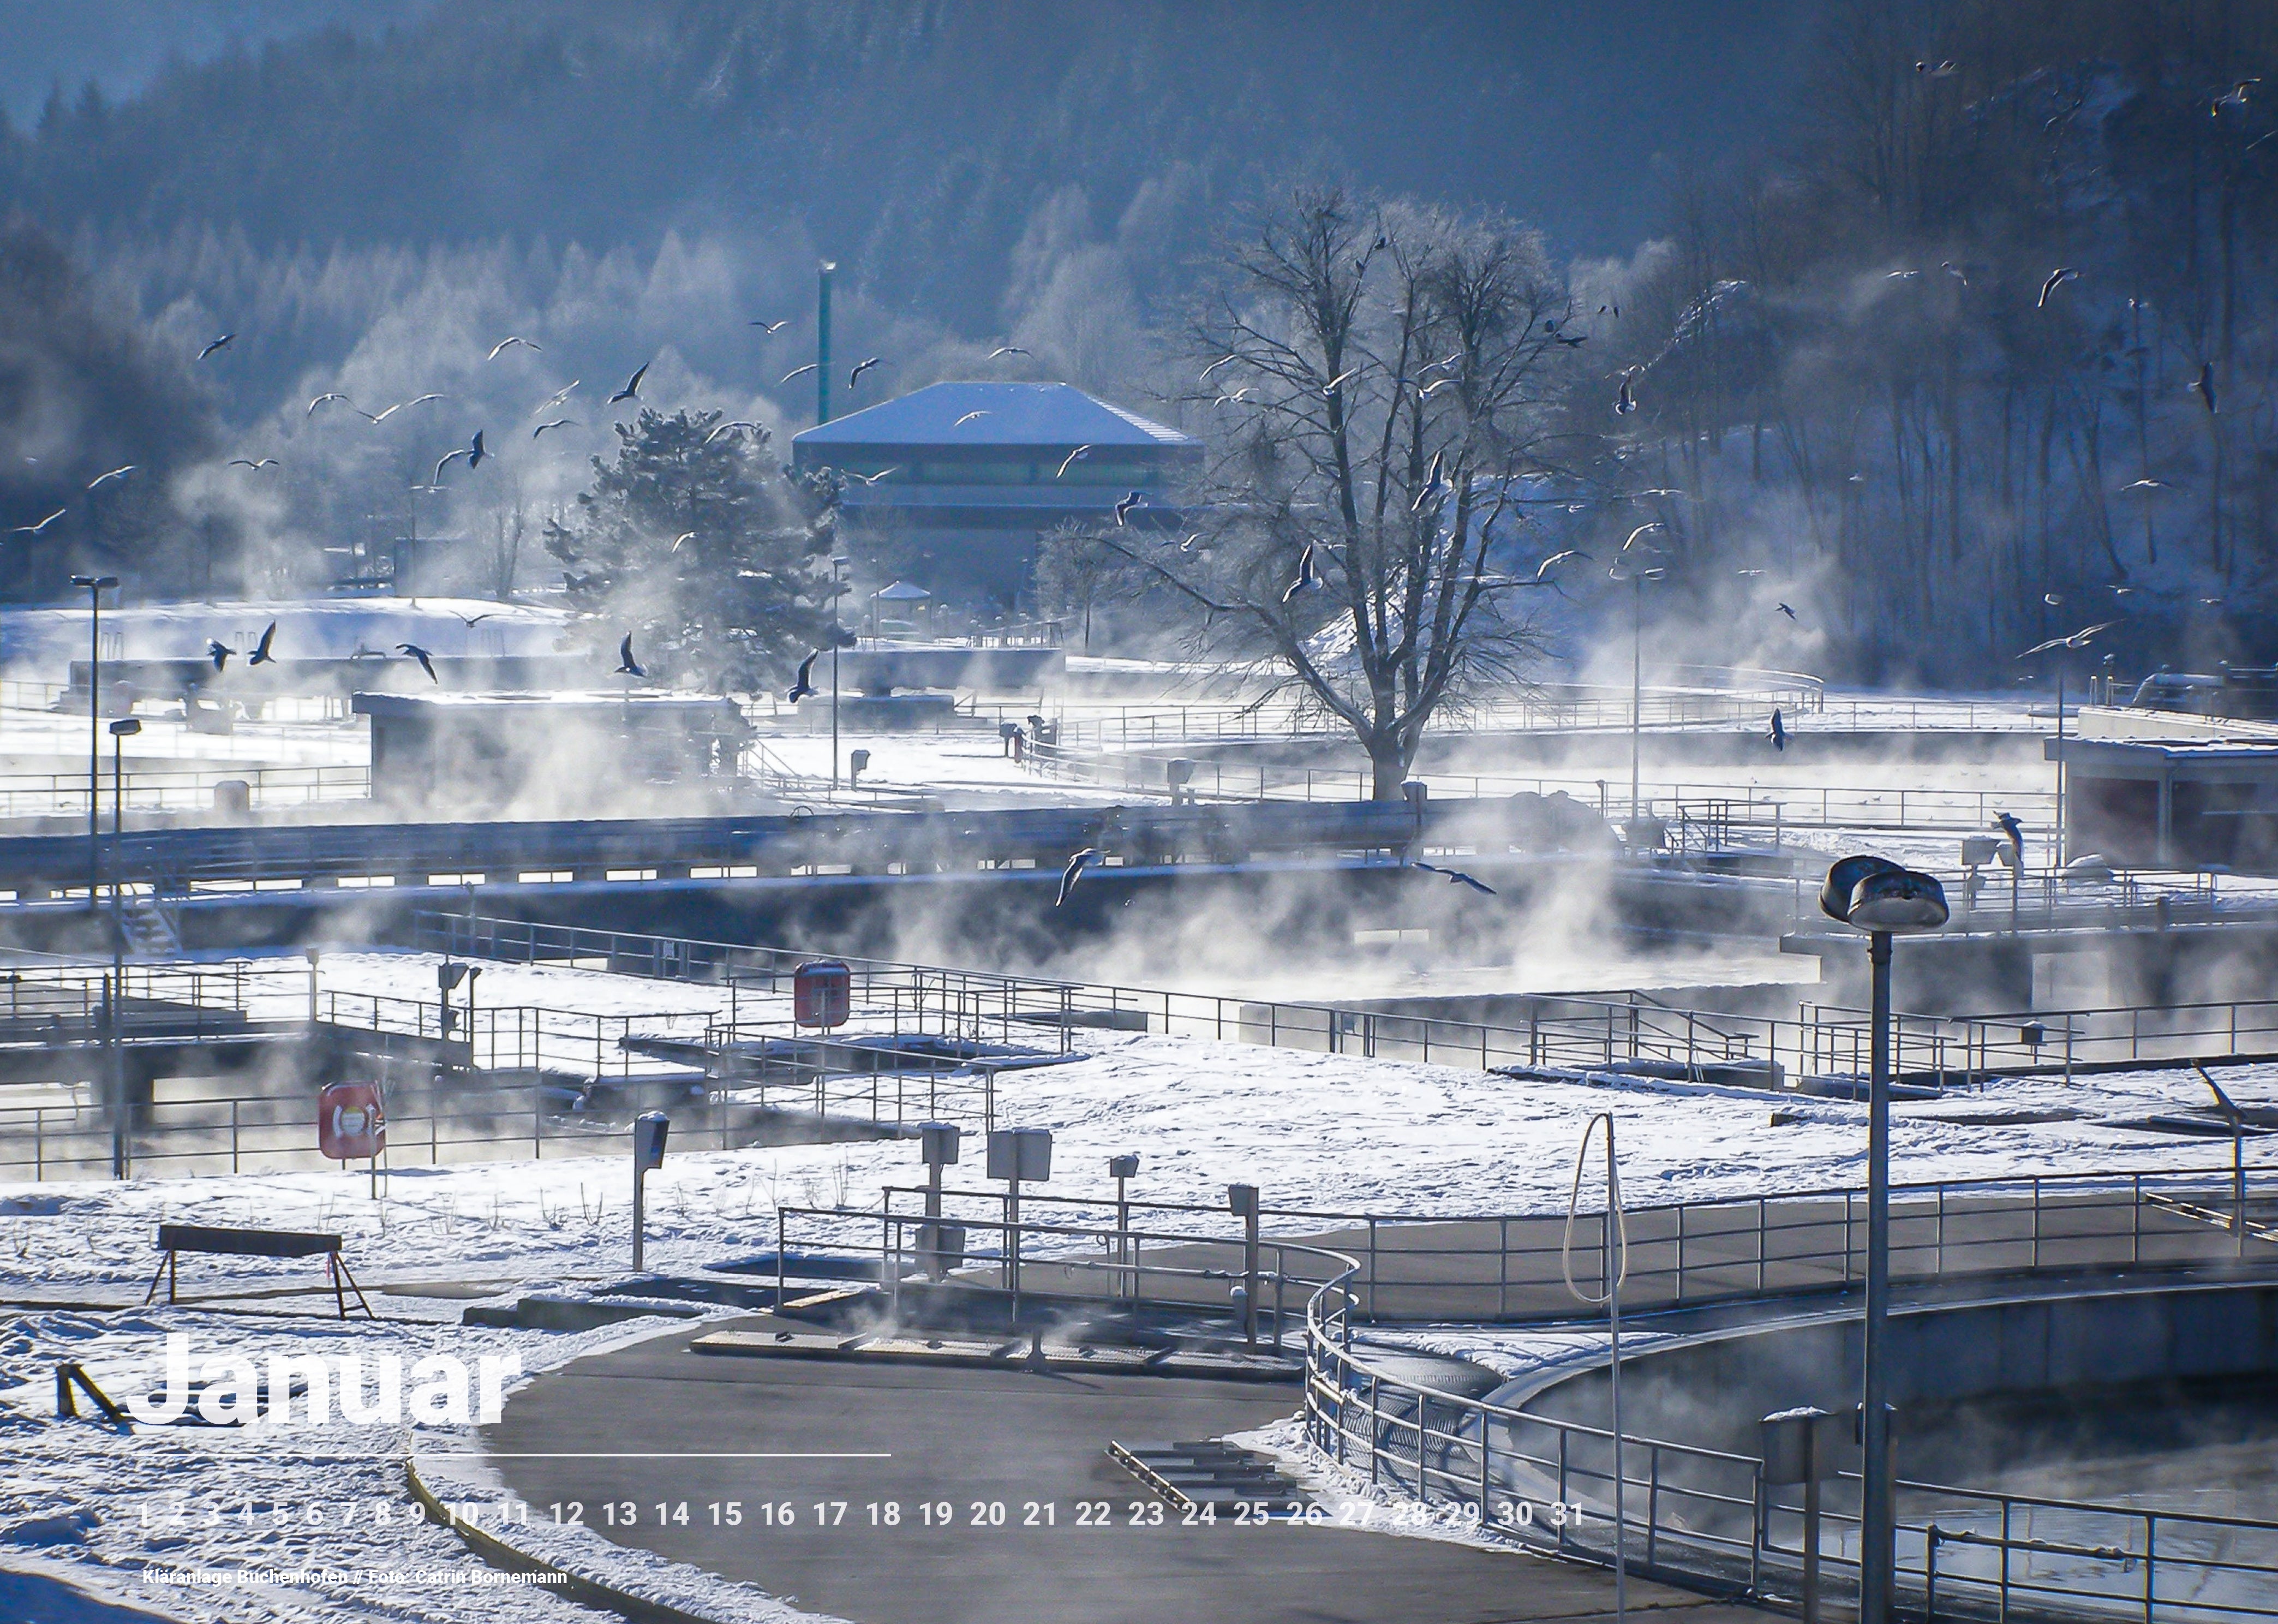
{"points": [[1325, 1132]]}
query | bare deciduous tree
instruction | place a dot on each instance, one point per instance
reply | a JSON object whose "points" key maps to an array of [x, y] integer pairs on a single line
{"points": [[1380, 381]]}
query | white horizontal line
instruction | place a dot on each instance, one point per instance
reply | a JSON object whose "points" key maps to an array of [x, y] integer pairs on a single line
{"points": [[653, 1454]]}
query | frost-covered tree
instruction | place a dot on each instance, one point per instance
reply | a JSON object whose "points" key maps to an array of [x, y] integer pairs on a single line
{"points": [[1379, 380], [703, 547]]}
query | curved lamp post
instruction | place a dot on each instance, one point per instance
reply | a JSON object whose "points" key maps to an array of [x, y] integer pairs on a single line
{"points": [[1879, 897]]}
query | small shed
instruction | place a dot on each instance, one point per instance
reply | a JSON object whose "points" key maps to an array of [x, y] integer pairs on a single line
{"points": [[547, 754], [2161, 789]]}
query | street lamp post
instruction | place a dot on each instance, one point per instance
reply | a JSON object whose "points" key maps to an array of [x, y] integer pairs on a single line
{"points": [[1883, 900], [1637, 580], [838, 634], [122, 729], [95, 586]]}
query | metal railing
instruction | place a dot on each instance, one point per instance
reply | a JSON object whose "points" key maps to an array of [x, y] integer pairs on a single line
{"points": [[1558, 1032]]}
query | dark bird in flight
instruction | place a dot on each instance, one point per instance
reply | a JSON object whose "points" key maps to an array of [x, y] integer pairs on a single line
{"points": [[261, 654], [797, 372], [426, 661], [1306, 575], [1080, 451], [627, 666], [1123, 509], [34, 529], [511, 338], [2058, 277], [245, 462], [1625, 398], [1790, 613], [1007, 349], [1073, 872], [1779, 730], [2203, 385], [223, 342], [2235, 97], [2015, 831], [218, 652], [860, 367], [474, 454], [632, 391], [802, 685], [474, 620], [116, 473], [1456, 877], [768, 329], [554, 423]]}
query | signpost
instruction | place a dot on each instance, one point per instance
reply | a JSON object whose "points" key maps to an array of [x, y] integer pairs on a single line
{"points": [[1018, 1155], [649, 1129], [822, 994]]}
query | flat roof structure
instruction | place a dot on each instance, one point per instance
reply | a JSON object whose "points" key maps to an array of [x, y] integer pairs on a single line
{"points": [[2152, 788], [961, 480]]}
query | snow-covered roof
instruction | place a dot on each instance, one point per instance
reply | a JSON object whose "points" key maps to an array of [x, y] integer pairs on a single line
{"points": [[1022, 414]]}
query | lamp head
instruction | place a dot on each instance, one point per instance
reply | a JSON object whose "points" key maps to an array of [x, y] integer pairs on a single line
{"points": [[1900, 902], [126, 727], [1843, 878]]}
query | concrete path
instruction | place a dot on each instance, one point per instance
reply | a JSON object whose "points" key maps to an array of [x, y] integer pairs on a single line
{"points": [[1078, 1539]]}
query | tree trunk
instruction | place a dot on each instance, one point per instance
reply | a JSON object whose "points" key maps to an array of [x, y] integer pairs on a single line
{"points": [[1388, 760]]}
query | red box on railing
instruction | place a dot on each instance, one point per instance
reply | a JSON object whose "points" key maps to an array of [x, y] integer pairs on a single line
{"points": [[821, 993]]}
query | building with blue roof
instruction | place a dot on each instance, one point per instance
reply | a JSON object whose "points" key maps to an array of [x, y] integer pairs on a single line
{"points": [[964, 478]]}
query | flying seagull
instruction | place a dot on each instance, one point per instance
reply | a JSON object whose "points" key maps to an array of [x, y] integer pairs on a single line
{"points": [[34, 529], [2235, 97], [554, 423], [558, 397], [632, 391], [968, 417], [1432, 481], [1789, 613], [261, 654], [1543, 568], [1007, 349], [1456, 877], [474, 454], [426, 661], [1073, 872], [627, 666], [860, 367], [223, 342], [244, 461], [1306, 575], [797, 372], [400, 405], [511, 338], [2053, 600], [116, 473], [218, 652], [1123, 509], [1640, 530], [1426, 395], [2058, 277], [1072, 457], [685, 535], [1900, 276], [768, 329], [873, 478], [2203, 385], [334, 395], [1779, 730], [1626, 399], [2078, 639], [1213, 366], [802, 685], [1331, 387], [739, 423], [2145, 485], [2008, 825], [1187, 546]]}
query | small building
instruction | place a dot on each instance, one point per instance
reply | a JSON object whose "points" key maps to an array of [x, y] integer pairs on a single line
{"points": [[549, 754], [961, 480], [2163, 789]]}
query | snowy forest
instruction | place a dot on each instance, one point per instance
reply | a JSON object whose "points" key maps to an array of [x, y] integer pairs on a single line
{"points": [[1962, 339]]}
